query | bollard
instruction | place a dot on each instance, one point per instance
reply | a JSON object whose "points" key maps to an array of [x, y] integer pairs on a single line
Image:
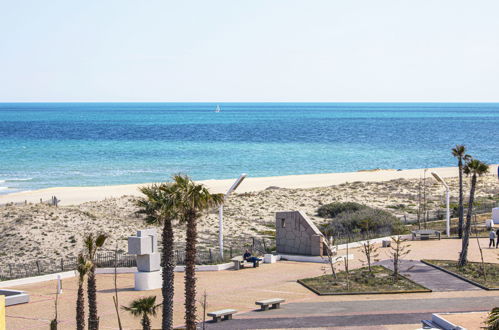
{"points": [[59, 284]]}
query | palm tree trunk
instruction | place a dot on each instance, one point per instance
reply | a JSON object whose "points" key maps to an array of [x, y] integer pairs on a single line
{"points": [[190, 272], [168, 283], [463, 256], [93, 319], [146, 323], [80, 308], [461, 206]]}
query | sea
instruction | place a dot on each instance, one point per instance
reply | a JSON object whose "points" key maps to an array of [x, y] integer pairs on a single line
{"points": [[90, 144]]}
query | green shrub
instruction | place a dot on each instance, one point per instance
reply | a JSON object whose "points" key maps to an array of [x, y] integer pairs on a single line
{"points": [[366, 221], [333, 209]]}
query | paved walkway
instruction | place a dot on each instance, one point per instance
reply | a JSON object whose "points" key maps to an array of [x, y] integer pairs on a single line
{"points": [[365, 313], [430, 277]]}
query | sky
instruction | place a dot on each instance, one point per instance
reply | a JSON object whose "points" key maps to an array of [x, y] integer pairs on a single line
{"points": [[249, 51]]}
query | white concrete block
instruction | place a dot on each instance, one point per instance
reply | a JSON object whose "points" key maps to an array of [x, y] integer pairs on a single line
{"points": [[140, 245], [269, 258], [151, 233], [148, 262], [147, 280]]}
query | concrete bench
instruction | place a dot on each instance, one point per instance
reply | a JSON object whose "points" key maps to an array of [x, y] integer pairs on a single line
{"points": [[425, 234], [225, 313], [274, 302], [240, 263]]}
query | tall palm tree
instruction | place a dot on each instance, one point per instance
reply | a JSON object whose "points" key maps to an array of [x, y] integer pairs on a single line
{"points": [[191, 200], [92, 244], [158, 205], [83, 266], [475, 168], [459, 152], [143, 307]]}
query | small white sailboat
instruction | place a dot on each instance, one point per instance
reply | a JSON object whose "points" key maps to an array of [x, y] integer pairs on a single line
{"points": [[217, 109]]}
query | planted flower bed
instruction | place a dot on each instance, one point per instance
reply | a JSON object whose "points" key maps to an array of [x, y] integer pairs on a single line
{"points": [[473, 272], [380, 280]]}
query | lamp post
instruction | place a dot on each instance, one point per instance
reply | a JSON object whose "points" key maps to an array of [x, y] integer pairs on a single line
{"points": [[447, 190], [221, 214]]}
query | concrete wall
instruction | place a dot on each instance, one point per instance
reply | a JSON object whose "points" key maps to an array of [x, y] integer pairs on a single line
{"points": [[296, 234]]}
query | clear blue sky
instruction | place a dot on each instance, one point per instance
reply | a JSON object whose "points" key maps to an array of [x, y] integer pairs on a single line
{"points": [[258, 50]]}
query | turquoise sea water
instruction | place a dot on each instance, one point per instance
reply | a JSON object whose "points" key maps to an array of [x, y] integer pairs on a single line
{"points": [[74, 144]]}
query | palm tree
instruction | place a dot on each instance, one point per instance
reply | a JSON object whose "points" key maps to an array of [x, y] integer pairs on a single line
{"points": [[92, 244], [83, 266], [459, 152], [159, 209], [191, 200], [144, 307], [475, 168], [492, 320]]}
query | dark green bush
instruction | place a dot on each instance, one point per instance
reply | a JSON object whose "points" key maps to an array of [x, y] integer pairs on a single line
{"points": [[333, 209], [366, 221]]}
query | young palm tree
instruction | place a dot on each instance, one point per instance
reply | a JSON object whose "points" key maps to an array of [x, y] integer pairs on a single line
{"points": [[92, 244], [475, 168], [143, 307], [459, 152], [159, 209], [492, 320], [83, 267], [191, 200]]}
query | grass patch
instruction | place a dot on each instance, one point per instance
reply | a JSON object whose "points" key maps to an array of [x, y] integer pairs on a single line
{"points": [[472, 271], [362, 282]]}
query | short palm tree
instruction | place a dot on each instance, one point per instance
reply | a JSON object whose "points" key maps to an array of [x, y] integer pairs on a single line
{"points": [[492, 321], [158, 205], [92, 244], [144, 307], [191, 200], [459, 152], [475, 168], [83, 267]]}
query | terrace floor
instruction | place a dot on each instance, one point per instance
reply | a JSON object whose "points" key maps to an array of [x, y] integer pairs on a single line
{"points": [[240, 289]]}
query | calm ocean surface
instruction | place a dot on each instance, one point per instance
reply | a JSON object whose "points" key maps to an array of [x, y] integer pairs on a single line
{"points": [[74, 144]]}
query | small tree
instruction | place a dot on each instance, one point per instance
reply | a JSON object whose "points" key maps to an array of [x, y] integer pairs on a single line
{"points": [[143, 307], [484, 272], [54, 322], [370, 251], [398, 250], [204, 307]]}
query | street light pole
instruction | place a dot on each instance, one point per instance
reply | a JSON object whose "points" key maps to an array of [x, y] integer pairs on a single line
{"points": [[221, 214], [447, 190]]}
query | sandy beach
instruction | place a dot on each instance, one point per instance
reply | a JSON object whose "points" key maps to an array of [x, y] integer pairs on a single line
{"points": [[39, 231], [78, 195]]}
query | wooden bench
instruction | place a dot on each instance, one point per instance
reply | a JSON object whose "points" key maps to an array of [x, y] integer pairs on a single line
{"points": [[425, 234], [225, 313], [274, 302], [239, 263]]}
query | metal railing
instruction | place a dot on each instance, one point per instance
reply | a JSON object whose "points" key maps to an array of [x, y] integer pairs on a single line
{"points": [[108, 259]]}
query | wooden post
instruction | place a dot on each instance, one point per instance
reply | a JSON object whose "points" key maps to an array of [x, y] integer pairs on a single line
{"points": [[38, 266], [211, 257], [62, 264], [231, 252], [10, 270]]}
